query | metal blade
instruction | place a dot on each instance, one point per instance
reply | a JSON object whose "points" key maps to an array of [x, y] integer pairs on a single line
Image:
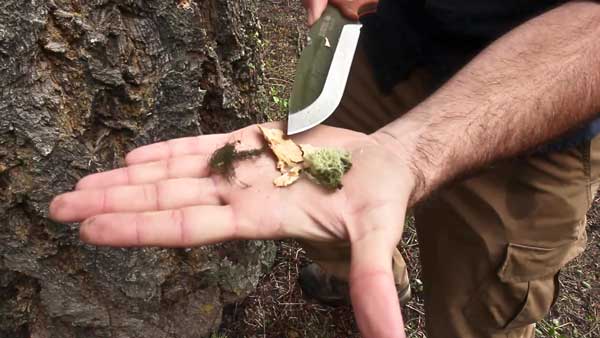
{"points": [[315, 60], [331, 95]]}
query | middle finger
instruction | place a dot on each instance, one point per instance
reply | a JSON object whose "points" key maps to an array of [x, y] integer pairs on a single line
{"points": [[169, 194]]}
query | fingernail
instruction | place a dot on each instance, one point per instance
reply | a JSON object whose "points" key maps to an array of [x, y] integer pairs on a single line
{"points": [[84, 229], [56, 205]]}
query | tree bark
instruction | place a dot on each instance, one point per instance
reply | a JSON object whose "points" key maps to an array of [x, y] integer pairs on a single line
{"points": [[81, 83]]}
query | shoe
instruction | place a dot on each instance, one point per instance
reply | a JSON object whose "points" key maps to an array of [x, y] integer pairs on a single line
{"points": [[329, 290]]}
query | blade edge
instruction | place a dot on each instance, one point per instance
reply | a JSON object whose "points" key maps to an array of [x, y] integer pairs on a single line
{"points": [[335, 84]]}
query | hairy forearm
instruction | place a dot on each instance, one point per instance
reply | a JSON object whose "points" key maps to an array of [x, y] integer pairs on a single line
{"points": [[537, 82]]}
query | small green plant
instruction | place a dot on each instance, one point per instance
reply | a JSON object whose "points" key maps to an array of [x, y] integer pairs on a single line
{"points": [[218, 335], [550, 328], [258, 40], [282, 103]]}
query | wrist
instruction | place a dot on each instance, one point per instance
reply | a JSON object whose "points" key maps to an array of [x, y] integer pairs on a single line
{"points": [[401, 151]]}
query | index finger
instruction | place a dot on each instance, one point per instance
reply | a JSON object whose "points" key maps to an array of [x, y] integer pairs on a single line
{"points": [[195, 145], [250, 136]]}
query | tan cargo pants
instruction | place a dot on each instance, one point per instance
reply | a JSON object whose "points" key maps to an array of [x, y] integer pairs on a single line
{"points": [[491, 245]]}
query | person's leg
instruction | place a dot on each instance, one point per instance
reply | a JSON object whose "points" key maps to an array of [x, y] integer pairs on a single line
{"points": [[363, 108], [492, 245]]}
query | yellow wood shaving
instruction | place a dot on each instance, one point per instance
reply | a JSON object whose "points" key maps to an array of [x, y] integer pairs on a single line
{"points": [[289, 156], [288, 153], [288, 178]]}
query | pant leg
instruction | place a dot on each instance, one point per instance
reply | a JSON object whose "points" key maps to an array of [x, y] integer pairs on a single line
{"points": [[492, 245], [365, 108]]}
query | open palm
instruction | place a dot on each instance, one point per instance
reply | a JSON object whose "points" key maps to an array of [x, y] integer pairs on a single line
{"points": [[166, 196]]}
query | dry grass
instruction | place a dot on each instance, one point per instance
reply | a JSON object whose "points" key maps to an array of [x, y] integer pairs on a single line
{"points": [[277, 308], [284, 36]]}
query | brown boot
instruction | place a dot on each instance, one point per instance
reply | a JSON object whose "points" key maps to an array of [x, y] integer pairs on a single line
{"points": [[329, 290]]}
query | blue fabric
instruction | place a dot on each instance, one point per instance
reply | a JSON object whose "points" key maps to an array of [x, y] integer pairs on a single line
{"points": [[573, 139]]}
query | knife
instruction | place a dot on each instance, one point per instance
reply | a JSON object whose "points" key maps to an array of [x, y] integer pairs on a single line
{"points": [[325, 63]]}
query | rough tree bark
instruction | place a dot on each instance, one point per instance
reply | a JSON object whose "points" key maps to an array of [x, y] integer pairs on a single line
{"points": [[81, 83]]}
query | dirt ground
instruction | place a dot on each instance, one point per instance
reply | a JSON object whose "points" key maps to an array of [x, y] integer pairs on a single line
{"points": [[277, 308]]}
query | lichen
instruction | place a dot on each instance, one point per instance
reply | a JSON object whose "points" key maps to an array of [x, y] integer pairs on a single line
{"points": [[327, 166]]}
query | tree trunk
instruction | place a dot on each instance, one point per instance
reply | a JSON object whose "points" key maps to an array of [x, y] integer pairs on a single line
{"points": [[81, 83]]}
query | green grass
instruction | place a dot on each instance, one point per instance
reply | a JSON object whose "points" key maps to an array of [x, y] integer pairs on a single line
{"points": [[218, 335]]}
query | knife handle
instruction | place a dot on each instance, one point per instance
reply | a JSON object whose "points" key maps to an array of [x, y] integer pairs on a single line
{"points": [[355, 9]]}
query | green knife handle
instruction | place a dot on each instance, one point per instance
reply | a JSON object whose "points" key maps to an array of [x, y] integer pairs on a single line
{"points": [[316, 57]]}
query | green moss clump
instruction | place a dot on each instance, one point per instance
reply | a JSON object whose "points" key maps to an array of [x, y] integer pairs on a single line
{"points": [[327, 166]]}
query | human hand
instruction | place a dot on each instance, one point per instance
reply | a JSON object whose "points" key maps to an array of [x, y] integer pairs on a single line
{"points": [[349, 8], [166, 197], [314, 8]]}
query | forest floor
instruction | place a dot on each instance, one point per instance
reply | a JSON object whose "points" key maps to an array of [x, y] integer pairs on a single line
{"points": [[278, 310]]}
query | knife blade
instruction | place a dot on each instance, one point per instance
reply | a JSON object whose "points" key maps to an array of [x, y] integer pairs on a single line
{"points": [[324, 66]]}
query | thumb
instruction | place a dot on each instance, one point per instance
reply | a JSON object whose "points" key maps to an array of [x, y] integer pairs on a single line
{"points": [[372, 287], [315, 9]]}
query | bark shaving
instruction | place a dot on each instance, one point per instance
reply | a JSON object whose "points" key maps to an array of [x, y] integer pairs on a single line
{"points": [[81, 83]]}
